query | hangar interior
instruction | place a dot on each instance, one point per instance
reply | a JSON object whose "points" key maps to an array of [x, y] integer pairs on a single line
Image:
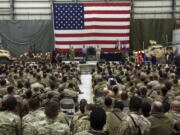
{"points": [[24, 23]]}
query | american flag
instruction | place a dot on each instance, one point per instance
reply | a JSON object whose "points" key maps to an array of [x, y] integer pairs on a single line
{"points": [[91, 24]]}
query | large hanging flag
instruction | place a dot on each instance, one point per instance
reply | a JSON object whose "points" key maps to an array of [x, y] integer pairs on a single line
{"points": [[91, 24]]}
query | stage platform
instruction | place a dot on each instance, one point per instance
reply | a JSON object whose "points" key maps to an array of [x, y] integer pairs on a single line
{"points": [[86, 67]]}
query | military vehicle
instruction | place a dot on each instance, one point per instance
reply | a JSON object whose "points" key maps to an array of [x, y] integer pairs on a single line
{"points": [[5, 57], [157, 50]]}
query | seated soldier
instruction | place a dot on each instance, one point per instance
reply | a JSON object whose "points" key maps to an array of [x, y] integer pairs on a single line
{"points": [[50, 125], [10, 123], [97, 122]]}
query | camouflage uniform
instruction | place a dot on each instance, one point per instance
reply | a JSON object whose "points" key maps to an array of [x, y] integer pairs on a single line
{"points": [[114, 122], [174, 115], [46, 127], [10, 124], [160, 124], [33, 116], [91, 132], [141, 122], [81, 123]]}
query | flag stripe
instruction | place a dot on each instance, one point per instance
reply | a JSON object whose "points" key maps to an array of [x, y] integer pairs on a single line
{"points": [[94, 34], [110, 8], [87, 42], [107, 19], [106, 27], [106, 4], [107, 12], [107, 15], [107, 23], [90, 38], [93, 31]]}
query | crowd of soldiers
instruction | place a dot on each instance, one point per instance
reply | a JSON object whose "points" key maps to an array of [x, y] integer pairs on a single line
{"points": [[129, 99], [139, 99], [30, 94]]}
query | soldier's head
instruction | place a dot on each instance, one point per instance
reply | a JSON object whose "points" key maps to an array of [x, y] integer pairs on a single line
{"points": [[52, 85], [3, 82], [10, 90], [10, 104], [119, 105], [27, 84], [146, 109], [166, 107], [164, 91], [143, 91], [97, 118], [108, 102], [19, 85], [34, 104], [52, 109], [124, 95], [156, 107], [115, 90], [64, 79], [135, 104], [28, 94], [82, 105], [175, 105]]}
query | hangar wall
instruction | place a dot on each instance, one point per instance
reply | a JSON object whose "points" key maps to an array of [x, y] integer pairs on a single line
{"points": [[32, 12]]}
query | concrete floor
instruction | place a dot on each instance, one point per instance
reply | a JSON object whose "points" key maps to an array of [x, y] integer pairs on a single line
{"points": [[86, 88]]}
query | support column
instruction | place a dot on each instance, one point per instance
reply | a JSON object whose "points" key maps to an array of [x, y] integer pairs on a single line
{"points": [[173, 8], [12, 9]]}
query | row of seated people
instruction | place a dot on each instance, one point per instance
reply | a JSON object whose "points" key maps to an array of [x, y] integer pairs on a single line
{"points": [[153, 90], [129, 99]]}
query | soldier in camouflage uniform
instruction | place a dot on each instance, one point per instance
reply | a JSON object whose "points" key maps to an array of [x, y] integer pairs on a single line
{"points": [[81, 123], [50, 125], [114, 122], [174, 114], [35, 114], [135, 120], [10, 123], [160, 124], [97, 122]]}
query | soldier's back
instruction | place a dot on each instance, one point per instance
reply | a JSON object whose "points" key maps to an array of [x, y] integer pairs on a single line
{"points": [[114, 122], [10, 124], [91, 132], [82, 123], [160, 124], [33, 116], [174, 115], [47, 127]]}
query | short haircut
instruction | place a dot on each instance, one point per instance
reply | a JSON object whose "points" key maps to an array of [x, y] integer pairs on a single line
{"points": [[146, 109], [10, 89], [34, 103], [143, 91], [166, 107], [82, 105], [97, 118], [28, 94], [115, 89], [10, 103], [52, 109], [135, 104], [164, 91], [3, 82], [108, 101], [119, 105], [124, 96]]}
